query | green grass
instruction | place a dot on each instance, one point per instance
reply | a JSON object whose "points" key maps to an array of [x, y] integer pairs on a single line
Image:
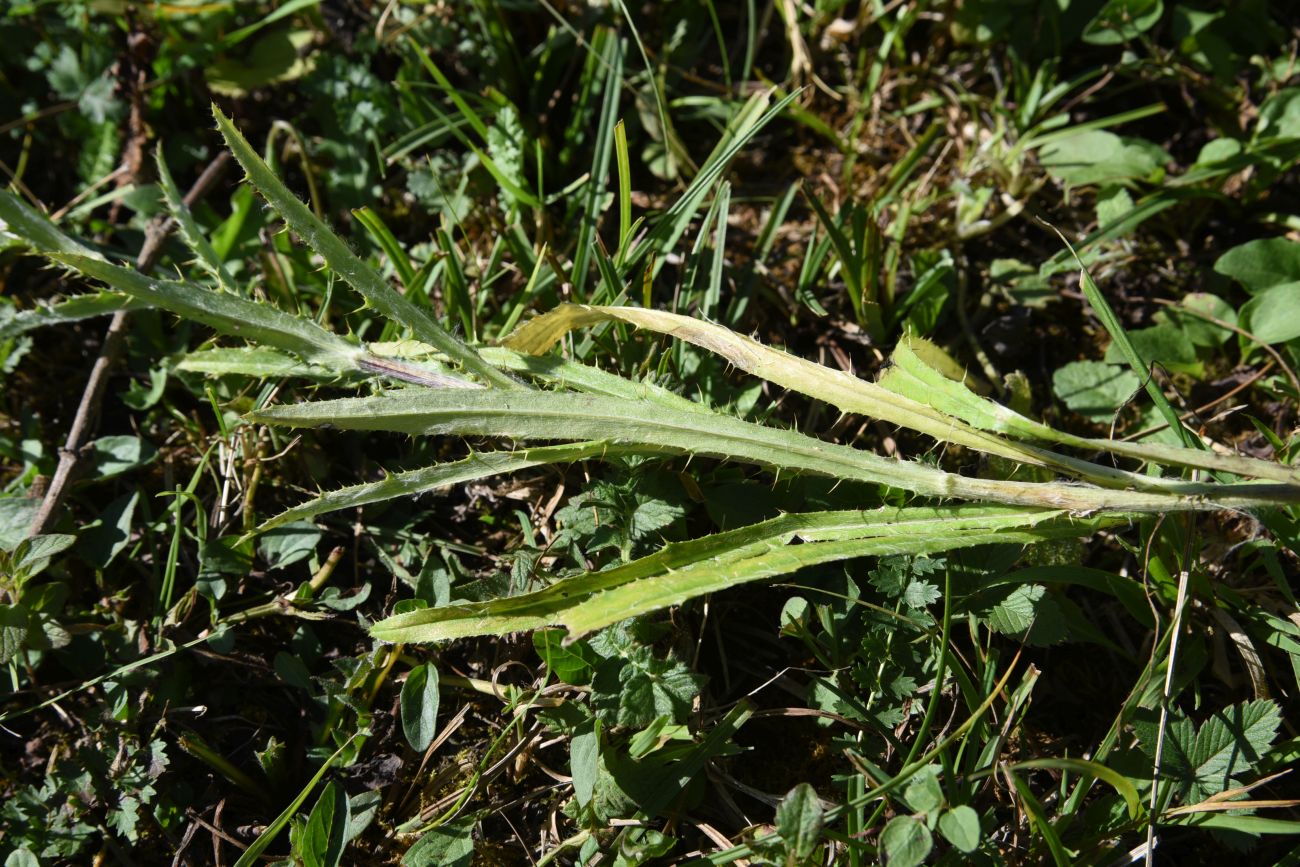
{"points": [[606, 435]]}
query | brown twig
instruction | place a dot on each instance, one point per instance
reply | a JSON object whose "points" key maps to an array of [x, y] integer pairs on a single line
{"points": [[92, 397], [1204, 408], [1236, 329]]}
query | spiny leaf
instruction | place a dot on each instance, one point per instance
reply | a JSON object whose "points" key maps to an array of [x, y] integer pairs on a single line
{"points": [[189, 229], [43, 235], [73, 309], [343, 262], [227, 313], [895, 400], [415, 482], [536, 415], [684, 570]]}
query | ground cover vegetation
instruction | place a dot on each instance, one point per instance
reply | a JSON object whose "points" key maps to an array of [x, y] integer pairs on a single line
{"points": [[606, 433]]}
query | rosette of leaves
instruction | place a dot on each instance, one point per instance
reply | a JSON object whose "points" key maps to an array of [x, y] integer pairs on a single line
{"points": [[561, 411]]}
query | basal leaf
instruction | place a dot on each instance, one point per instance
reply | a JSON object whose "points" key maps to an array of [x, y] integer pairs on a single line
{"points": [[347, 265], [684, 570]]}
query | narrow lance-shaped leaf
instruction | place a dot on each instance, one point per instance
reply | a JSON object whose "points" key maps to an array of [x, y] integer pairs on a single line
{"points": [[536, 415], [189, 229], [473, 468], [43, 235], [262, 323], [911, 377], [347, 265], [73, 309], [630, 600], [556, 371], [227, 313], [684, 570], [249, 361], [837, 388]]}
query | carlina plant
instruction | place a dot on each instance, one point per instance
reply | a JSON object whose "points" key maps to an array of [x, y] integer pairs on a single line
{"points": [[437, 384]]}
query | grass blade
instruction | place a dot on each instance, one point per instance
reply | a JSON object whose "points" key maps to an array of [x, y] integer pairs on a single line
{"points": [[1135, 361], [267, 837], [744, 126]]}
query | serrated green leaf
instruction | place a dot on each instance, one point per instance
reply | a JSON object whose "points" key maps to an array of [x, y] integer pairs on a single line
{"points": [[1231, 742], [343, 262], [479, 466], [1028, 611], [74, 309], [44, 237], [1080, 384], [536, 415], [681, 571], [189, 229], [249, 361], [634, 688], [227, 313]]}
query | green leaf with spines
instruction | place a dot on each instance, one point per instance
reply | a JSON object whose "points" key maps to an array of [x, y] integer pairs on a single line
{"points": [[536, 415], [356, 273], [684, 570], [189, 229]]}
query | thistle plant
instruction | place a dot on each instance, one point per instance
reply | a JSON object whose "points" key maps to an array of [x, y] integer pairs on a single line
{"points": [[435, 384]]}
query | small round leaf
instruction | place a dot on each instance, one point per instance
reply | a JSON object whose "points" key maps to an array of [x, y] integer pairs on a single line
{"points": [[961, 827], [906, 842]]}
